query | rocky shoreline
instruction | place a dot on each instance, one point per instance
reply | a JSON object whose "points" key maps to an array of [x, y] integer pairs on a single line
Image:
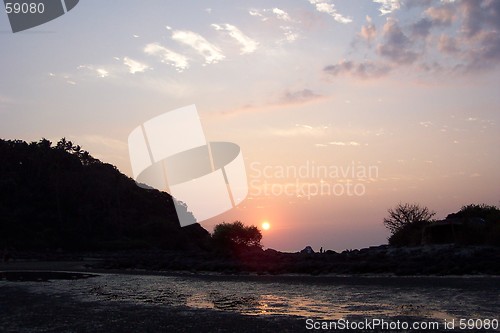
{"points": [[401, 261]]}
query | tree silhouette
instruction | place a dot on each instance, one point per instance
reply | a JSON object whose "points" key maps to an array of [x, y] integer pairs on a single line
{"points": [[405, 214], [406, 223], [236, 236]]}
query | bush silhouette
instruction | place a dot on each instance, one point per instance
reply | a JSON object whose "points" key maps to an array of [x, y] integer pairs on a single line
{"points": [[236, 236], [481, 224]]}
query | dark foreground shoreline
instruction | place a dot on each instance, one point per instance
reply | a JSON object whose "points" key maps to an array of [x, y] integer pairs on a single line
{"points": [[433, 260], [24, 309]]}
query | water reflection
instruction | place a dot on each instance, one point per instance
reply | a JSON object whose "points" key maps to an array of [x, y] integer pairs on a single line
{"points": [[332, 300]]}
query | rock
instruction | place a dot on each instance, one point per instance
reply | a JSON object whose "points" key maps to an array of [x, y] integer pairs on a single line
{"points": [[307, 250]]}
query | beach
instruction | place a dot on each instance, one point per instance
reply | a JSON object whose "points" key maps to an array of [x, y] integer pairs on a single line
{"points": [[69, 297]]}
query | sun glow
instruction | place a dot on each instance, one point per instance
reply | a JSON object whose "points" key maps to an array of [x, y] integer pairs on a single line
{"points": [[266, 225]]}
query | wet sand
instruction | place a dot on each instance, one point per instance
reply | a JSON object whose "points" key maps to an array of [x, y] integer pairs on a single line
{"points": [[26, 311], [23, 310]]}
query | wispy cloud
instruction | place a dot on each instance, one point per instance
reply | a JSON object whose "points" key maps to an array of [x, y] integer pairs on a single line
{"points": [[300, 130], [280, 101], [448, 44], [175, 59], [290, 35], [362, 70], [102, 72], [267, 13], [299, 97], [324, 6], [210, 52], [426, 124], [248, 45], [104, 141], [368, 31], [388, 6], [286, 23], [99, 71], [134, 66], [344, 143], [281, 14], [257, 13]]}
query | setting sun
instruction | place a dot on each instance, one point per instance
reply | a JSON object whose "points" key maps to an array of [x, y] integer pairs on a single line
{"points": [[266, 225]]}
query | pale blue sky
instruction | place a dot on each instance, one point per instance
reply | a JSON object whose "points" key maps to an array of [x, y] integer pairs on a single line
{"points": [[408, 86]]}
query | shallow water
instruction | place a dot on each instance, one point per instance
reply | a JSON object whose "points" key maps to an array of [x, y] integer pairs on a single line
{"points": [[320, 298]]}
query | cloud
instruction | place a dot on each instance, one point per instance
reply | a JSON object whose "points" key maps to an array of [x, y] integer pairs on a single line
{"points": [[477, 45], [342, 143], [134, 66], [443, 15], [486, 54], [368, 31], [301, 130], [277, 102], [257, 13], [388, 6], [281, 14], [103, 141], [426, 124], [248, 45], [474, 16], [447, 44], [210, 52], [102, 72], [396, 46], [177, 60], [99, 71], [289, 34], [422, 28], [481, 27], [299, 97], [323, 6], [459, 37], [363, 70]]}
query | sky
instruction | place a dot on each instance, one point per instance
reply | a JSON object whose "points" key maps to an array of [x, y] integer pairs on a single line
{"points": [[342, 109]]}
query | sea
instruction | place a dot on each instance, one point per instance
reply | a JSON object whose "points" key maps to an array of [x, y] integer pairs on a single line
{"points": [[322, 298]]}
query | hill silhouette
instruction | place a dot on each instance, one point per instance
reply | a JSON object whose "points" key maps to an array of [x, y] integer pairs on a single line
{"points": [[60, 197]]}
